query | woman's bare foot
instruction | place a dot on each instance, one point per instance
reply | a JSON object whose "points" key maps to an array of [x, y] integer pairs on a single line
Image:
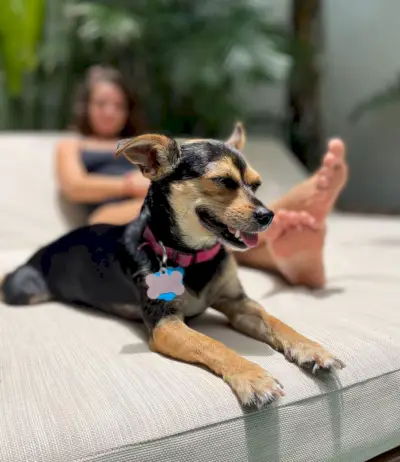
{"points": [[317, 195], [295, 241], [293, 245]]}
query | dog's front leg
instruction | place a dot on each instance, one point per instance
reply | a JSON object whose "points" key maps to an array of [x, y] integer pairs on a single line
{"points": [[170, 336], [250, 318], [252, 384]]}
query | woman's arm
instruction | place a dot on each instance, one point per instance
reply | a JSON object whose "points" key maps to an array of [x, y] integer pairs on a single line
{"points": [[80, 186], [138, 185]]}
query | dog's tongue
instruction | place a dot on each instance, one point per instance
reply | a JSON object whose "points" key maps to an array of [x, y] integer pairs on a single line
{"points": [[251, 240]]}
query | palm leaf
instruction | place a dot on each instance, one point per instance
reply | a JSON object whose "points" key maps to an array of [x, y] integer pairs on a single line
{"points": [[388, 95]]}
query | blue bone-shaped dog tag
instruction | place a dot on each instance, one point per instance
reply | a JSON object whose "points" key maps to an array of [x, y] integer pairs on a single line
{"points": [[166, 284]]}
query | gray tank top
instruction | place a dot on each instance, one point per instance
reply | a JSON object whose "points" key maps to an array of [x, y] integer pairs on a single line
{"points": [[105, 163]]}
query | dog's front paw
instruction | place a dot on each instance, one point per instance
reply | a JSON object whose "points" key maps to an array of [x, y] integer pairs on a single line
{"points": [[311, 355], [254, 386]]}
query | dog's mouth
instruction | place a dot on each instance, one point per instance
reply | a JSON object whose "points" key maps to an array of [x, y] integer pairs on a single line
{"points": [[232, 237]]}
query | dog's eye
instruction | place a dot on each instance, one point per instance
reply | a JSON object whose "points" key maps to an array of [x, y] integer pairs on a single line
{"points": [[226, 182]]}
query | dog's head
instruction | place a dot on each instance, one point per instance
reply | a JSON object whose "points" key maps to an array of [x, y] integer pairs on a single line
{"points": [[209, 185]]}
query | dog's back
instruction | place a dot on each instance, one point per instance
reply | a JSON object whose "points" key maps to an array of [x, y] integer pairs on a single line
{"points": [[89, 265]]}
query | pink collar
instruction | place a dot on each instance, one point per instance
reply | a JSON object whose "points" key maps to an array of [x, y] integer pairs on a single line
{"points": [[180, 258]]}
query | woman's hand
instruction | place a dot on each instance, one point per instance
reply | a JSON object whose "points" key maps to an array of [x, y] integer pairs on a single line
{"points": [[136, 185]]}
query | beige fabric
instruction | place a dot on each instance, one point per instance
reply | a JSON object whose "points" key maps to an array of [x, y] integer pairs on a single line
{"points": [[81, 386], [31, 208]]}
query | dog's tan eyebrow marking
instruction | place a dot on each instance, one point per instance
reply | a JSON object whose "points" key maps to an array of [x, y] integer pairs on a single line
{"points": [[223, 167], [251, 177]]}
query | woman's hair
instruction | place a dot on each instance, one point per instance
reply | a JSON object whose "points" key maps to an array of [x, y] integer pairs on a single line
{"points": [[134, 123]]}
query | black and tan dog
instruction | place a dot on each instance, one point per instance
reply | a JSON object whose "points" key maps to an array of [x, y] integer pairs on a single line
{"points": [[202, 194]]}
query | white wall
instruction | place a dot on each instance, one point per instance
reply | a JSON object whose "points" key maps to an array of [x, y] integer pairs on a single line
{"points": [[361, 55]]}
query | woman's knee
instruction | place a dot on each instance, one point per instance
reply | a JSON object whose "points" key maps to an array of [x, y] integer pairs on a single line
{"points": [[97, 216]]}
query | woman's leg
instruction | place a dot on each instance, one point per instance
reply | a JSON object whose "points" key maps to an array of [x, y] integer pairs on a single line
{"points": [[118, 213], [294, 246]]}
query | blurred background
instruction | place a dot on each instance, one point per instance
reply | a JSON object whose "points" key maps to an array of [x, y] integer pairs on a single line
{"points": [[297, 70]]}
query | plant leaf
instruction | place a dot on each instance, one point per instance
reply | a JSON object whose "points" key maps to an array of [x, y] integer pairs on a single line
{"points": [[20, 28], [376, 101]]}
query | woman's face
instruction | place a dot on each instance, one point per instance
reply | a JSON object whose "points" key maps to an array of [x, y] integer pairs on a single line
{"points": [[107, 109]]}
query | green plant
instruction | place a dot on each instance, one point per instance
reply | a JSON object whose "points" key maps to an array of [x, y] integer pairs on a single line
{"points": [[21, 24], [188, 60], [20, 28]]}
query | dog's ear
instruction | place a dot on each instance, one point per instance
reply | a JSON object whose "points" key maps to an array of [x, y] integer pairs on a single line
{"points": [[156, 155], [238, 137]]}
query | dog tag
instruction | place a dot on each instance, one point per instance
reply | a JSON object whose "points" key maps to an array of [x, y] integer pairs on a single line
{"points": [[166, 284]]}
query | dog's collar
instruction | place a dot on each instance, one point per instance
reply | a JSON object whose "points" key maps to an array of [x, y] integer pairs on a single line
{"points": [[180, 258]]}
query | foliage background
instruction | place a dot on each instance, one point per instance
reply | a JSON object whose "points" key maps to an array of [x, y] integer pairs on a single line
{"points": [[187, 60]]}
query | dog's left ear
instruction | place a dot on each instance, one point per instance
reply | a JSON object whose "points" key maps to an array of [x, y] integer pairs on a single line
{"points": [[238, 137], [156, 155]]}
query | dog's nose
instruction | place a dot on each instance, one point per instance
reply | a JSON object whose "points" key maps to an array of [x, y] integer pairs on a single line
{"points": [[263, 216]]}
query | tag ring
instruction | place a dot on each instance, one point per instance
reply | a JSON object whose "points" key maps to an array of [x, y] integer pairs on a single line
{"points": [[164, 255]]}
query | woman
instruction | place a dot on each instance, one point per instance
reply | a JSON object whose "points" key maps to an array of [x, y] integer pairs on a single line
{"points": [[87, 172], [114, 190]]}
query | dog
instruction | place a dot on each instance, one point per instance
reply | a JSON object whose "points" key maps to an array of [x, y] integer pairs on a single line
{"points": [[201, 204]]}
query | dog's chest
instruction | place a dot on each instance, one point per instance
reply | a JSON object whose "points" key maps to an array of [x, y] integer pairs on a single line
{"points": [[201, 284], [194, 304]]}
